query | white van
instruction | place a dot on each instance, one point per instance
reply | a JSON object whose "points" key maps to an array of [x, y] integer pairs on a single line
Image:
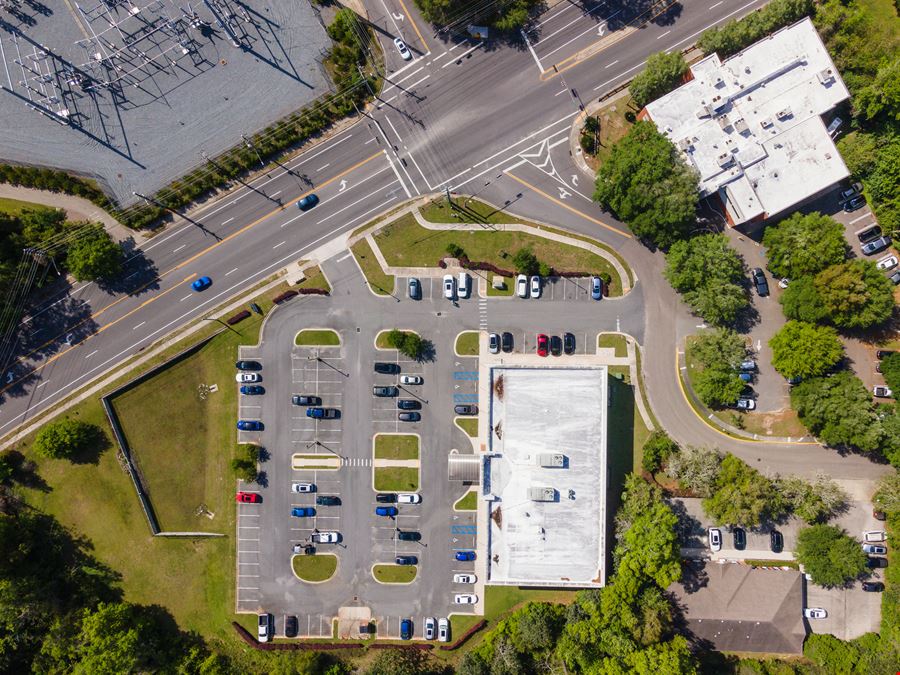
{"points": [[463, 286]]}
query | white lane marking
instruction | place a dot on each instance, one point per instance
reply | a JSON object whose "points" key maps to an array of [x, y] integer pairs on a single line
{"points": [[139, 325], [393, 83], [322, 168], [418, 82], [416, 164], [463, 55], [234, 270], [344, 257], [396, 133], [274, 194], [372, 210], [620, 75], [560, 92], [718, 21], [560, 30], [225, 222], [531, 49], [371, 140], [42, 384], [567, 7], [91, 354], [717, 4], [179, 248], [191, 295], [611, 64], [397, 173], [361, 199], [279, 244], [862, 217], [386, 101], [589, 30], [527, 138], [660, 37]]}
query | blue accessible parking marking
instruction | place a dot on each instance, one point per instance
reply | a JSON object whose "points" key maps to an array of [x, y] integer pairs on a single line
{"points": [[462, 529], [465, 375], [465, 398]]}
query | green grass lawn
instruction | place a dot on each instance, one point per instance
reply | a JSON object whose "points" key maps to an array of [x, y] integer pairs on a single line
{"points": [[466, 211], [314, 279], [395, 574], [379, 282], [396, 446], [15, 206], [319, 567], [396, 479], [460, 623], [501, 600], [467, 343], [617, 342], [405, 243], [317, 338], [381, 340], [613, 126], [469, 425], [467, 502]]}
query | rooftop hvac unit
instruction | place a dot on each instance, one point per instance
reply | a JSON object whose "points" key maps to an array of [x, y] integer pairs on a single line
{"points": [[725, 159], [766, 123], [741, 125], [685, 145], [784, 113], [550, 460], [719, 81], [826, 76], [542, 494], [703, 111], [723, 121]]}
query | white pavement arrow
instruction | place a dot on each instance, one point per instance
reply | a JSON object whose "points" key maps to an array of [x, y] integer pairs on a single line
{"points": [[343, 185], [397, 17], [758, 345], [563, 193], [575, 180], [600, 29]]}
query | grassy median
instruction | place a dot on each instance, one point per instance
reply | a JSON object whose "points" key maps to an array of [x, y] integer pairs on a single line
{"points": [[468, 502], [613, 341], [379, 282], [315, 568], [469, 425], [396, 446], [396, 479], [395, 574], [323, 337], [467, 343]]}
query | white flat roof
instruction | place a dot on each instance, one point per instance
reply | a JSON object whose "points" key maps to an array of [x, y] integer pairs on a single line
{"points": [[751, 125], [547, 411]]}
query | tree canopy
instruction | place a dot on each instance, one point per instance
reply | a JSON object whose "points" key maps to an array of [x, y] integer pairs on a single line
{"points": [[829, 556], [801, 302], [887, 496], [661, 74], [743, 496], [502, 16], [814, 502], [67, 438], [710, 276], [890, 368], [734, 35], [696, 469], [855, 294], [805, 350], [804, 244], [94, 256], [718, 353], [647, 184], [657, 449]]}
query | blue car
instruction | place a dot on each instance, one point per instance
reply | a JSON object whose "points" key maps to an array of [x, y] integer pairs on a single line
{"points": [[201, 284], [386, 511], [250, 425], [596, 288], [406, 629], [252, 390], [303, 512], [321, 413], [308, 202], [464, 556], [745, 377]]}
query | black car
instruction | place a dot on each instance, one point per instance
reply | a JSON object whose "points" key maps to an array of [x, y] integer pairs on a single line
{"points": [[409, 417], [739, 538], [291, 627], [776, 541], [297, 399], [759, 279], [868, 234], [556, 345], [506, 342], [408, 404], [387, 368], [569, 343], [466, 409], [873, 586], [855, 203], [385, 391], [248, 365], [882, 353], [386, 497], [252, 390], [328, 500], [406, 560], [874, 562], [408, 535]]}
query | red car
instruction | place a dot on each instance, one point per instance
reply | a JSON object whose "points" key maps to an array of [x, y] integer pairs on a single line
{"points": [[542, 344], [248, 497]]}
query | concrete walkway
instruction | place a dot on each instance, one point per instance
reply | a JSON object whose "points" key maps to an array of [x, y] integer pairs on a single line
{"points": [[406, 463]]}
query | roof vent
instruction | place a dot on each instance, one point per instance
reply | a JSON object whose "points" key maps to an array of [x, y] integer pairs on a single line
{"points": [[725, 159], [766, 123], [784, 113], [825, 76]]}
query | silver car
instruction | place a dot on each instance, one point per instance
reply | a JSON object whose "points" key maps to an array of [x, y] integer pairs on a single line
{"points": [[429, 628], [522, 286], [494, 343], [443, 630]]}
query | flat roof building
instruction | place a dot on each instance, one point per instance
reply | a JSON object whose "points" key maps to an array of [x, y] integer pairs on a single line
{"points": [[752, 127]]}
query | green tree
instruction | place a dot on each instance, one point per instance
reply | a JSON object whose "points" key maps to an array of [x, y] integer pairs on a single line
{"points": [[505, 16], [829, 556], [804, 244], [94, 256], [882, 97], [662, 73], [400, 662], [6, 469], [801, 301], [696, 469], [408, 343], [743, 496], [538, 625], [804, 350], [648, 185], [67, 438], [890, 368], [858, 150], [883, 183], [839, 410], [814, 502], [855, 294], [718, 387], [720, 346], [673, 657], [710, 276], [887, 496], [832, 654], [245, 469], [526, 262], [657, 449], [733, 36]]}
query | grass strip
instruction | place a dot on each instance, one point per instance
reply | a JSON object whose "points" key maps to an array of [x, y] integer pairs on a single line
{"points": [[469, 425], [395, 574], [396, 479], [467, 343], [612, 341], [468, 502], [379, 282], [317, 338], [396, 446]]}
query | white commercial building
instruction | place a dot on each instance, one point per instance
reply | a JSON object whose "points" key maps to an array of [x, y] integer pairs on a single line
{"points": [[752, 125]]}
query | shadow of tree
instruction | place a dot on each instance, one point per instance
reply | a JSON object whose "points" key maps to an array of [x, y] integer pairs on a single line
{"points": [[24, 472]]}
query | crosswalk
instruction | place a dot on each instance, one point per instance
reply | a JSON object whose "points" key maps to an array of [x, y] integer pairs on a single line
{"points": [[356, 461], [482, 313]]}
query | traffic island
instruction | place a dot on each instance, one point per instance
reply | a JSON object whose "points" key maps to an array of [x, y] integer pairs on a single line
{"points": [[396, 446], [396, 479], [467, 343], [317, 337], [314, 569], [468, 502], [394, 574]]}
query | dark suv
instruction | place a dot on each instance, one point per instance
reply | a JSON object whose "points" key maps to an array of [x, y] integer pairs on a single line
{"points": [[739, 537], [306, 400], [569, 343], [387, 368], [386, 497], [406, 535], [506, 342], [466, 409], [759, 280], [556, 345], [408, 404], [328, 500], [385, 391], [776, 541]]}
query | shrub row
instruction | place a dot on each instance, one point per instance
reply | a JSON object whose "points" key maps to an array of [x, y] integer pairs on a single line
{"points": [[465, 637]]}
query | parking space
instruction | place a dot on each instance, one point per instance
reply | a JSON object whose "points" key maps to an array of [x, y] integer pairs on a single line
{"points": [[248, 556]]}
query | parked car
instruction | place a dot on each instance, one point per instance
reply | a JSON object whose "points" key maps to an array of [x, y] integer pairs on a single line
{"points": [[873, 586], [759, 280], [895, 278], [881, 391], [243, 377], [855, 203], [303, 487], [493, 343], [888, 262], [409, 417], [303, 512], [250, 425], [385, 497], [408, 535], [322, 413], [385, 391], [264, 627], [443, 630], [596, 288], [535, 286], [326, 537], [303, 399], [248, 497], [868, 233], [556, 345], [568, 343], [746, 377], [715, 539], [543, 343], [745, 404], [464, 578], [409, 498], [739, 538], [465, 598], [506, 342], [252, 390], [463, 285], [748, 366], [849, 192], [413, 288], [402, 48], [411, 379], [406, 629], [776, 541], [386, 368], [463, 556], [406, 560], [430, 626], [876, 563], [522, 286], [408, 404], [876, 245], [449, 285], [878, 549], [248, 365], [390, 511], [201, 284], [879, 515], [815, 613], [308, 202], [882, 353], [874, 536], [466, 409], [328, 500], [783, 283], [291, 626]]}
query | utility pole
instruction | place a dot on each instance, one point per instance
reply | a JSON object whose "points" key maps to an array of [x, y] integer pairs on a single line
{"points": [[249, 144]]}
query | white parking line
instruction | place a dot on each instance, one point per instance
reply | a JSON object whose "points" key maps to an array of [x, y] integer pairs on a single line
{"points": [[862, 217]]}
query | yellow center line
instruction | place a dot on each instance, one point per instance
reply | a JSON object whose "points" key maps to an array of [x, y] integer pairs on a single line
{"points": [[415, 27], [231, 236], [567, 207]]}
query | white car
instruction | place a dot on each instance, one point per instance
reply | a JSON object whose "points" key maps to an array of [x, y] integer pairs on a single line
{"points": [[494, 343], [264, 627], [888, 262], [463, 284], [326, 537], [244, 376], [784, 283], [449, 286], [443, 630], [303, 487], [535, 286], [464, 579], [522, 286], [874, 548], [411, 379], [429, 628], [815, 613], [403, 49], [465, 598], [409, 498], [881, 391], [715, 539], [876, 536]]}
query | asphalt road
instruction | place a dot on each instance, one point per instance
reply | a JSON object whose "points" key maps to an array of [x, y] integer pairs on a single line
{"points": [[487, 119]]}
